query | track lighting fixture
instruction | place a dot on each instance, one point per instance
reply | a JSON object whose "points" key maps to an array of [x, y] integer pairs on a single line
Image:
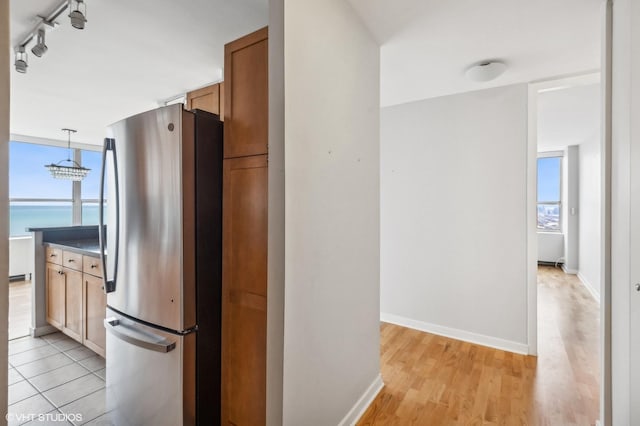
{"points": [[77, 13], [40, 48], [21, 62], [77, 16]]}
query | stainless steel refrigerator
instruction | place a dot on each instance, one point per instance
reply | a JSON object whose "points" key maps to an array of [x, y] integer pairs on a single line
{"points": [[163, 173]]}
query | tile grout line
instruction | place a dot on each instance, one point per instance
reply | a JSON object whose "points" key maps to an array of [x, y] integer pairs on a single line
{"points": [[41, 393]]}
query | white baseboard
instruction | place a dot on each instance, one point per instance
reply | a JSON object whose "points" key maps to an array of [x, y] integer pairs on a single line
{"points": [[454, 333], [590, 287], [363, 403], [569, 271]]}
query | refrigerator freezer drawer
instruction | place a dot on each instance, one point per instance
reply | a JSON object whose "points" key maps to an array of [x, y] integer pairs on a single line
{"points": [[150, 374]]}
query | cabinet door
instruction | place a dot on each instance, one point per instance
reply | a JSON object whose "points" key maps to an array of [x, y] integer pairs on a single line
{"points": [[246, 85], [95, 305], [244, 284], [73, 304], [206, 99], [55, 295]]}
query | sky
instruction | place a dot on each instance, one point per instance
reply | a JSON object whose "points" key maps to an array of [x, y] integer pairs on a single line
{"points": [[549, 179], [28, 178]]}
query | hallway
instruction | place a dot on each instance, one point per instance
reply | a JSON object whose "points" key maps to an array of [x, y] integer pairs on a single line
{"points": [[434, 380]]}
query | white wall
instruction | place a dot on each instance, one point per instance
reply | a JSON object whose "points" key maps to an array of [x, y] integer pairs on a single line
{"points": [[625, 268], [276, 244], [570, 217], [453, 215], [590, 250], [332, 199], [4, 198]]}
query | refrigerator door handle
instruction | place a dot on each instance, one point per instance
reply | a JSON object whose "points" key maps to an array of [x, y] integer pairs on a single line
{"points": [[129, 334], [109, 284]]}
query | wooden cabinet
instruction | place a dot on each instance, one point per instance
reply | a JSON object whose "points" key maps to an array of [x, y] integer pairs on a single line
{"points": [[95, 304], [75, 298], [244, 262], [73, 303], [210, 98], [244, 299], [55, 294], [246, 109]]}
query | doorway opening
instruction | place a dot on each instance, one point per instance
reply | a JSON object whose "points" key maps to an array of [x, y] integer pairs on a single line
{"points": [[569, 238]]}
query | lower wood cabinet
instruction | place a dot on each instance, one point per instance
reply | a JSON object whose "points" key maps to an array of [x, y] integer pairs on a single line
{"points": [[95, 304], [75, 299], [55, 294], [73, 304]]}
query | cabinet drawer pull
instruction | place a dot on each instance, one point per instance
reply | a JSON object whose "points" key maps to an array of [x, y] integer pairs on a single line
{"points": [[94, 266], [60, 272], [52, 255], [71, 260]]}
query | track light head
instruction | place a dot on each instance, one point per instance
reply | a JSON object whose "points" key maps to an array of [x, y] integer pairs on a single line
{"points": [[40, 48], [21, 62], [77, 13]]}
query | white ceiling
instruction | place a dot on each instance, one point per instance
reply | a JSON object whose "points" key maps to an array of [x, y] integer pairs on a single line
{"points": [[428, 44], [131, 56], [568, 117]]}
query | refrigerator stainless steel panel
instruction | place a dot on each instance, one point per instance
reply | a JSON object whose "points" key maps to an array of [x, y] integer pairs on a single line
{"points": [[154, 178], [151, 374]]}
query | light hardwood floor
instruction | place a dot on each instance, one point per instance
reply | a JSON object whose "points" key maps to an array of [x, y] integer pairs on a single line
{"points": [[19, 308], [433, 380]]}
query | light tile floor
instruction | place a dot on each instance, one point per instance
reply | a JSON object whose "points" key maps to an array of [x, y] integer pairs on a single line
{"points": [[55, 376]]}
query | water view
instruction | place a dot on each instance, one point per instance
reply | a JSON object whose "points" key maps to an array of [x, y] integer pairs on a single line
{"points": [[23, 216]]}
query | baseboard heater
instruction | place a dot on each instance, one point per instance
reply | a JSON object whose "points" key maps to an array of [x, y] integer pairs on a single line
{"points": [[23, 277], [547, 263]]}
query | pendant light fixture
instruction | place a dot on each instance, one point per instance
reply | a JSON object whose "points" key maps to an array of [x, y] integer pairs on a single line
{"points": [[73, 172]]}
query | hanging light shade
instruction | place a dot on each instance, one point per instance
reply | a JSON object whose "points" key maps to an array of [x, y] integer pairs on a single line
{"points": [[77, 13], [21, 63], [73, 171]]}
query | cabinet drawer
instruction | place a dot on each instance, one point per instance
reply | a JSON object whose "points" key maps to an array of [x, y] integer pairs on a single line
{"points": [[53, 255], [92, 265], [72, 260]]}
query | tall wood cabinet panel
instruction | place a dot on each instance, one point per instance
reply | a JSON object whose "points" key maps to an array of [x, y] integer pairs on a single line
{"points": [[244, 313], [210, 98], [246, 78], [244, 262]]}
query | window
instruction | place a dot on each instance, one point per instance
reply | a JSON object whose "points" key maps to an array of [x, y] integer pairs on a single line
{"points": [[91, 187], [549, 193], [38, 200]]}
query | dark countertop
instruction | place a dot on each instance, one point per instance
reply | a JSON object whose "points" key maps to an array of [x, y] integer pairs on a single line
{"points": [[65, 228], [89, 247]]}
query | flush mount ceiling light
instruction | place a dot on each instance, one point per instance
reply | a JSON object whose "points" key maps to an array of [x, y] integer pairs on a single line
{"points": [[77, 13], [40, 48], [21, 62], [485, 70], [73, 172]]}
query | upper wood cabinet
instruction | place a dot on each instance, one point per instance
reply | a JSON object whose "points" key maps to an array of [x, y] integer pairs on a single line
{"points": [[210, 98], [246, 101]]}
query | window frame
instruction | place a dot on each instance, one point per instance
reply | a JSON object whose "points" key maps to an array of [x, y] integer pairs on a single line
{"points": [[559, 203], [76, 199]]}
